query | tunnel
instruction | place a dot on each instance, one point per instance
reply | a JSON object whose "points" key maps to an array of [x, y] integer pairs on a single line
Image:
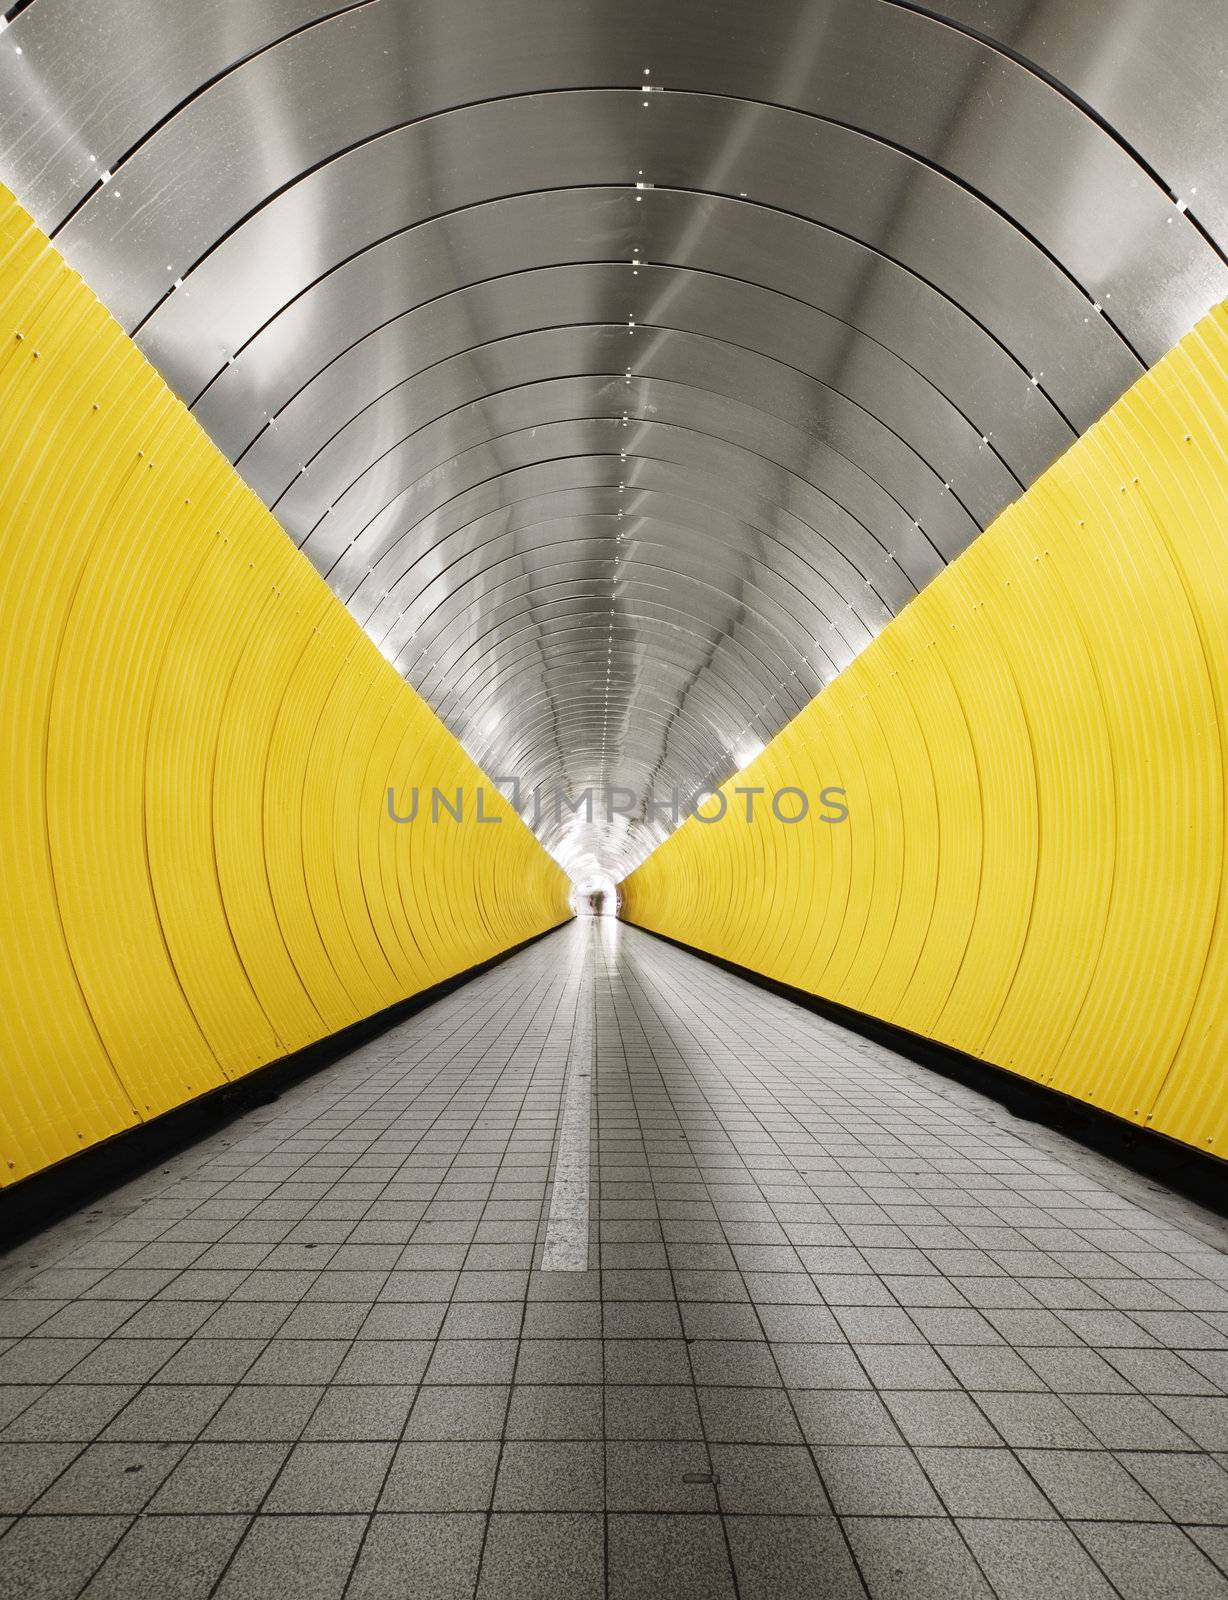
{"points": [[613, 799]]}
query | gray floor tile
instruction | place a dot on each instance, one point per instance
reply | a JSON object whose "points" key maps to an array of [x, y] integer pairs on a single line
{"points": [[867, 1325], [1191, 1488], [1203, 1419], [69, 1413], [915, 1558], [333, 1477], [542, 1557], [561, 1320], [403, 1320], [201, 1360], [767, 1478], [734, 1362], [647, 1361], [297, 1361], [1090, 1484], [643, 1320], [459, 1412], [168, 1411], [264, 1411], [876, 1481], [834, 1416], [1040, 1420], [668, 1558], [983, 1483], [43, 1360], [788, 1217], [16, 1398], [936, 1417], [384, 1361], [172, 1558], [560, 1361], [220, 1478], [293, 1556], [472, 1361], [1128, 1422], [499, 1319], [438, 1553], [731, 1321], [442, 1476], [824, 1366], [51, 1558], [988, 1367], [1074, 1372], [748, 1416], [361, 1411], [20, 1316], [1024, 1560], [655, 1476], [550, 1475], [1213, 1541], [127, 1361], [235, 1320], [1152, 1562], [782, 1558], [27, 1469], [324, 1321], [110, 1478]]}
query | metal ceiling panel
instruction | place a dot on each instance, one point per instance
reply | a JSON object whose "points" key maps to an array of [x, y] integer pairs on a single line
{"points": [[625, 371]]}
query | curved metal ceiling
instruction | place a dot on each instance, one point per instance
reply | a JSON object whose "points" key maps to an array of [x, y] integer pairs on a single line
{"points": [[624, 369]]}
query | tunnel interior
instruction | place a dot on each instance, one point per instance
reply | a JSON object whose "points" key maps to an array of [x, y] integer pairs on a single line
{"points": [[625, 372], [501, 502]]}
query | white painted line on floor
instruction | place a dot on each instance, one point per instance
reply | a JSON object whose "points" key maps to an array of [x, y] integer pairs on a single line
{"points": [[566, 1248]]}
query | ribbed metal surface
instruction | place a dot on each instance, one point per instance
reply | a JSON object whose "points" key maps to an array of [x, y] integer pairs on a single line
{"points": [[198, 872], [624, 369], [1033, 866]]}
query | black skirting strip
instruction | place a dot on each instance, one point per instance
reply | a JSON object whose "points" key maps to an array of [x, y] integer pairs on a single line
{"points": [[1191, 1172], [34, 1203]]}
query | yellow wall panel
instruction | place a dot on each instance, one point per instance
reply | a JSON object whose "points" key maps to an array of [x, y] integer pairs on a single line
{"points": [[1035, 750], [196, 739]]}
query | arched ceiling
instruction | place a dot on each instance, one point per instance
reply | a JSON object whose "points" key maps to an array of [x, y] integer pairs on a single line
{"points": [[624, 368]]}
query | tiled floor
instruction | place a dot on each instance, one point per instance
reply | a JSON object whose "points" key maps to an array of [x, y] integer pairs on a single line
{"points": [[855, 1330]]}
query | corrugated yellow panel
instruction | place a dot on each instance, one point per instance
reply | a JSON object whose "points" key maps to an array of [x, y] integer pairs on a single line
{"points": [[199, 874], [73, 1095], [1033, 870]]}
